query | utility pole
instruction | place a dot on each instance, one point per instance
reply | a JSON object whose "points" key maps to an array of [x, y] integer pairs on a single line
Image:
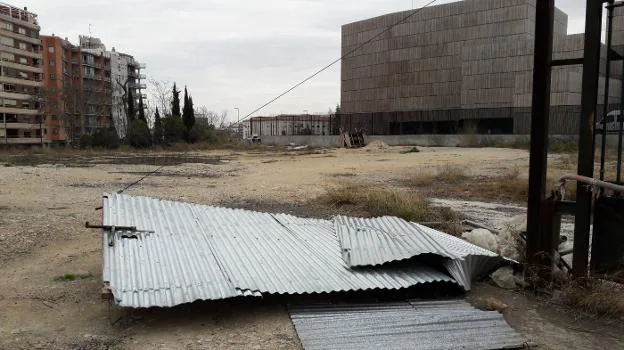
{"points": [[238, 126]]}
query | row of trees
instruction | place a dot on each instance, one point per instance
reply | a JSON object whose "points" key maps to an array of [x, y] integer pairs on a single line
{"points": [[177, 123]]}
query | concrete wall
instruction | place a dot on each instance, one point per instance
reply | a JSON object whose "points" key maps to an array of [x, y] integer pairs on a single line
{"points": [[427, 140]]}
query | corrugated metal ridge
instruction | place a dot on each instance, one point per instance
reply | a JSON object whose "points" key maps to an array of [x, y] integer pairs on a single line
{"points": [[200, 252], [377, 241], [446, 324], [171, 266], [280, 254]]}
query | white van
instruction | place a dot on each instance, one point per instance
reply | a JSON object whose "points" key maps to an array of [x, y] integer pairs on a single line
{"points": [[613, 121]]}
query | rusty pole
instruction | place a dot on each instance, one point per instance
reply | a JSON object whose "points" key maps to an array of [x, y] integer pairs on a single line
{"points": [[540, 108], [587, 139]]}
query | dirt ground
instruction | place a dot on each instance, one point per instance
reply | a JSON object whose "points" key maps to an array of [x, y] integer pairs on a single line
{"points": [[45, 200]]}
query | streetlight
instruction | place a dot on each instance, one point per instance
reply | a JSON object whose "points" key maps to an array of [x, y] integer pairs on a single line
{"points": [[238, 116]]}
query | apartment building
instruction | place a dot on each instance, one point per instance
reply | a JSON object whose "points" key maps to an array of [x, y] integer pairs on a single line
{"points": [[77, 90], [21, 71], [126, 73]]}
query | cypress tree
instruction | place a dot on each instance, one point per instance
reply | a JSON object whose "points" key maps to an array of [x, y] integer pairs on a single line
{"points": [[141, 109], [131, 111], [175, 102], [158, 129], [188, 115]]}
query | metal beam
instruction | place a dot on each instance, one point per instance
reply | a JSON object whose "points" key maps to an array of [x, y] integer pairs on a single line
{"points": [[587, 140], [544, 23], [567, 62]]}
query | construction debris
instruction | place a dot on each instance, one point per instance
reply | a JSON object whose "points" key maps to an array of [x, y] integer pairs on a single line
{"points": [[184, 252], [440, 324]]}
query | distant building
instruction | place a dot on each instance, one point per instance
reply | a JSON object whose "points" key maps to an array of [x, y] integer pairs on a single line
{"points": [[304, 124], [77, 90], [126, 75], [466, 64], [20, 78]]}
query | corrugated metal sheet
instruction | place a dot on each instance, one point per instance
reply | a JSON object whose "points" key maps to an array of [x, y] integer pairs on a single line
{"points": [[448, 324], [201, 252], [369, 242], [378, 241]]}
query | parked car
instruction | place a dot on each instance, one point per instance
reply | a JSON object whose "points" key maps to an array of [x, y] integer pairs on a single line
{"points": [[613, 120]]}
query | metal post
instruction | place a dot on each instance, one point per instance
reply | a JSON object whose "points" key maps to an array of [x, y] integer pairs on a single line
{"points": [[587, 140], [538, 163], [605, 109], [621, 120]]}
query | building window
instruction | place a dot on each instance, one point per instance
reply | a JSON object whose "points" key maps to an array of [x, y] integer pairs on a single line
{"points": [[23, 60], [51, 49], [23, 75], [27, 134], [52, 77], [7, 26], [21, 30], [22, 46], [55, 131], [7, 41], [51, 62]]}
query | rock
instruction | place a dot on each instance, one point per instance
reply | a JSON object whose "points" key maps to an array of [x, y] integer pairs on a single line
{"points": [[510, 242], [494, 304], [504, 278], [482, 238]]}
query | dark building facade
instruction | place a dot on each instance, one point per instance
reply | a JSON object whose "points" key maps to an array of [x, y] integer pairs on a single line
{"points": [[463, 66]]}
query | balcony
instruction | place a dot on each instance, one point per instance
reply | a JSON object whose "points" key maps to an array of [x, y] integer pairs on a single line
{"points": [[19, 111], [21, 37], [22, 126], [21, 66], [137, 86], [24, 140], [20, 81], [17, 51]]}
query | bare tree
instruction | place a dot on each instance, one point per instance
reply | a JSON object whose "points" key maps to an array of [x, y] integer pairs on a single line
{"points": [[160, 95], [204, 115]]}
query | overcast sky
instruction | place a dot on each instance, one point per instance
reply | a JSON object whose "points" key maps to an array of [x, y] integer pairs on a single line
{"points": [[233, 53]]}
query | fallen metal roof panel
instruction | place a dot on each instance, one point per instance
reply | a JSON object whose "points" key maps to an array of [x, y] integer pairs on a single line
{"points": [[378, 241], [173, 265], [369, 242], [448, 324], [202, 252]]}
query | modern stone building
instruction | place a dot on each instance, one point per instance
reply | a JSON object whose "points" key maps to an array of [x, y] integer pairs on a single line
{"points": [[460, 66], [21, 120]]}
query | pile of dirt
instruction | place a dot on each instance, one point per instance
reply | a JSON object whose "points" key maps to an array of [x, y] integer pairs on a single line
{"points": [[377, 144]]}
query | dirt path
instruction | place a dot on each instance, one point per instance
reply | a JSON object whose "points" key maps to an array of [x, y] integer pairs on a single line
{"points": [[42, 237]]}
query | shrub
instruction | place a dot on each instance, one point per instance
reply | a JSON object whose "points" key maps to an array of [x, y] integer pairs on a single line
{"points": [[174, 130], [106, 138], [139, 134]]}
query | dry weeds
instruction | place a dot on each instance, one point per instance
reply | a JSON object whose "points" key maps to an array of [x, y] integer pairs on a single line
{"points": [[454, 182], [406, 205], [600, 297]]}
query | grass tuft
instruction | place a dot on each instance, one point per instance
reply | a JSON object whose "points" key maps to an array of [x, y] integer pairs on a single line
{"points": [[72, 277], [406, 205], [411, 150], [596, 296]]}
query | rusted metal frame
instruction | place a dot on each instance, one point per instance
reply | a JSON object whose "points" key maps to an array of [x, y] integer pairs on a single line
{"points": [[544, 24], [587, 139], [605, 108], [567, 62]]}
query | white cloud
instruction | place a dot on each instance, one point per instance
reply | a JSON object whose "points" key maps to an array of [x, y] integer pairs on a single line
{"points": [[233, 53]]}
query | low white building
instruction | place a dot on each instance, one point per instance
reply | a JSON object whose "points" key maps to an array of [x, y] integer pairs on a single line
{"points": [[303, 124]]}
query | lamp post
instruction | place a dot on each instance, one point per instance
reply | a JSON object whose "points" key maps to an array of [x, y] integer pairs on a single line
{"points": [[238, 118]]}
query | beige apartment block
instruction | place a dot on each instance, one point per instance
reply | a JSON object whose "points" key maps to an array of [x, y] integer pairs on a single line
{"points": [[21, 111]]}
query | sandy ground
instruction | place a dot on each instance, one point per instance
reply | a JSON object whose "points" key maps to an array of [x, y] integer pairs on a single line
{"points": [[44, 204]]}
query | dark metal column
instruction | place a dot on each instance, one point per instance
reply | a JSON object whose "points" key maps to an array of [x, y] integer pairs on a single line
{"points": [[587, 140], [544, 19], [603, 147]]}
